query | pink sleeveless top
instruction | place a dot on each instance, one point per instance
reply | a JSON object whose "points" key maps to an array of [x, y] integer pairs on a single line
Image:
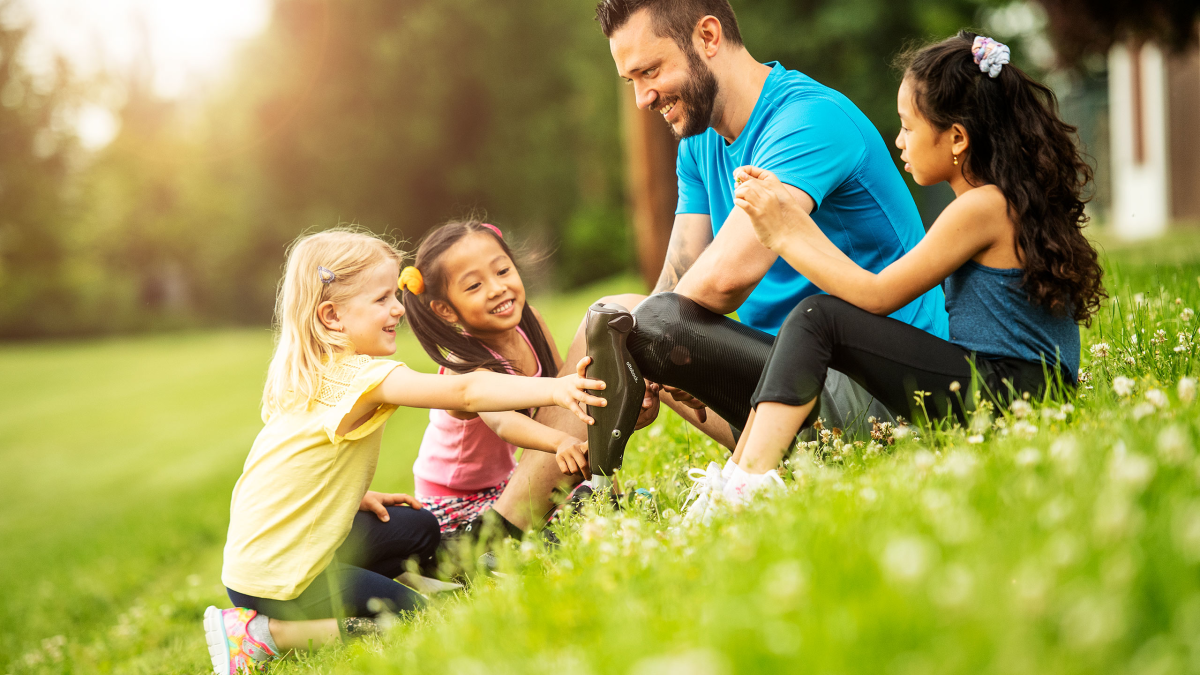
{"points": [[461, 457]]}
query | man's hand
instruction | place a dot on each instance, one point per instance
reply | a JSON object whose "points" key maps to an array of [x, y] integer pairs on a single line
{"points": [[377, 503], [689, 401], [572, 457], [649, 406]]}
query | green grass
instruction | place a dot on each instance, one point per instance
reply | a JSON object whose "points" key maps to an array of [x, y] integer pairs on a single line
{"points": [[1066, 541]]}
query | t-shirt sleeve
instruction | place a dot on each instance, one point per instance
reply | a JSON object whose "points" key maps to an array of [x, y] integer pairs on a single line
{"points": [[811, 144], [369, 376], [693, 198]]}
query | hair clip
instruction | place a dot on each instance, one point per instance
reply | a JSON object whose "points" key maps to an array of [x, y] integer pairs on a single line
{"points": [[412, 280], [493, 228], [326, 274], [990, 55]]}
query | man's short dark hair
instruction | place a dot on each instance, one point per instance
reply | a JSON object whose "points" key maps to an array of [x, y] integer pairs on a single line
{"points": [[675, 19]]}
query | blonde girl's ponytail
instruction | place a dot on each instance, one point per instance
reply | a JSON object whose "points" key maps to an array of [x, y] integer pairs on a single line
{"points": [[327, 266]]}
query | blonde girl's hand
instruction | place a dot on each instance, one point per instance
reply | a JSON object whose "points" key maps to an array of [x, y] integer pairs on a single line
{"points": [[377, 503], [571, 456], [773, 211], [571, 391]]}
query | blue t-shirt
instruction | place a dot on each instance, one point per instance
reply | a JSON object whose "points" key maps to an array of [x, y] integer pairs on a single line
{"points": [[815, 139]]}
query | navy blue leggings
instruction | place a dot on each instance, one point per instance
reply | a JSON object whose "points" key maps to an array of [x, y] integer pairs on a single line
{"points": [[364, 567]]}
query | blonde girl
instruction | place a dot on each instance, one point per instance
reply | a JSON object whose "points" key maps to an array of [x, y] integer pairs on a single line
{"points": [[467, 307], [308, 544]]}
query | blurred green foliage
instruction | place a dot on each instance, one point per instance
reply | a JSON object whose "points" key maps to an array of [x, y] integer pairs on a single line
{"points": [[393, 114]]}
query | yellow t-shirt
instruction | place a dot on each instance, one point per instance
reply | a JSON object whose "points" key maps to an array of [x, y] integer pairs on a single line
{"points": [[301, 486]]}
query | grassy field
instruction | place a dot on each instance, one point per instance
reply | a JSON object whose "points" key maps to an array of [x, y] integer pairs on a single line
{"points": [[1063, 537]]}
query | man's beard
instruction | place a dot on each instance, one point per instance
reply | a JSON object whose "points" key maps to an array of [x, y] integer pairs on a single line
{"points": [[698, 97]]}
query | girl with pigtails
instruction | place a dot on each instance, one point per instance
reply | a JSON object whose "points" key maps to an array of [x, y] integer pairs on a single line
{"points": [[312, 554], [468, 309], [1018, 273]]}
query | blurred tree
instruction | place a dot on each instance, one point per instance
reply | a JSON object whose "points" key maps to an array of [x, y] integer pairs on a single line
{"points": [[1083, 27], [35, 146]]}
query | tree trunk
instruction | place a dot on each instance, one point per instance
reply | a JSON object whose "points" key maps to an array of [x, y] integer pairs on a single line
{"points": [[650, 157]]}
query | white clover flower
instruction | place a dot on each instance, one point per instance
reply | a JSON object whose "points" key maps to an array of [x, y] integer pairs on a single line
{"points": [[1024, 429], [1028, 457], [955, 386], [1158, 398], [1187, 389], [1133, 338], [1129, 469], [1178, 301], [1021, 408], [1123, 386], [1187, 314], [1173, 447], [975, 439], [1100, 350], [1130, 361], [1160, 337], [1139, 298], [1142, 410], [905, 559]]}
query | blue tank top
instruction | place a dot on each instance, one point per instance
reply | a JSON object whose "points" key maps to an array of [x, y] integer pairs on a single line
{"points": [[991, 316]]}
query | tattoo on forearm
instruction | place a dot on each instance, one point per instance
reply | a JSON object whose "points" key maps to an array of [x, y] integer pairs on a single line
{"points": [[680, 257]]}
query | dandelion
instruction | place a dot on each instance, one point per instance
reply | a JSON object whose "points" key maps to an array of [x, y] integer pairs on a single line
{"points": [[1159, 399], [1187, 389], [1187, 314], [1123, 386], [1100, 350]]}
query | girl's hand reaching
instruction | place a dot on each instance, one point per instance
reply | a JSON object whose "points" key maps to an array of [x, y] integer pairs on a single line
{"points": [[571, 455], [774, 212], [377, 503], [571, 391]]}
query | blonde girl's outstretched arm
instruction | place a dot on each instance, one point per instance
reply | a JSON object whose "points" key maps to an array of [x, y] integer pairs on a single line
{"points": [[485, 391], [969, 225]]}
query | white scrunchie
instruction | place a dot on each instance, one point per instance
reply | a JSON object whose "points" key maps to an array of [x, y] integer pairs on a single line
{"points": [[989, 54]]}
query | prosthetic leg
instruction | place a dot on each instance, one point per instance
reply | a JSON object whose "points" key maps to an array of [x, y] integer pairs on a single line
{"points": [[608, 327]]}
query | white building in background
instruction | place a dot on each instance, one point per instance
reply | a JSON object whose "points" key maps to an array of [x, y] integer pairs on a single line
{"points": [[1154, 130]]}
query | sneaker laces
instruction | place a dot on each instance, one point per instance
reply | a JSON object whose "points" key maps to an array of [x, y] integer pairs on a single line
{"points": [[705, 484]]}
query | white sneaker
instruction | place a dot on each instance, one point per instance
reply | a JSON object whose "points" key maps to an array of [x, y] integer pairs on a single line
{"points": [[707, 484], [742, 487]]}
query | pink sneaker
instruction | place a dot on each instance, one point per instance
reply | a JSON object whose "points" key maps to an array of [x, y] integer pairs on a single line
{"points": [[232, 649]]}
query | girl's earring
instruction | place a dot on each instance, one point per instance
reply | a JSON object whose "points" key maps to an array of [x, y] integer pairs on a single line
{"points": [[956, 160]]}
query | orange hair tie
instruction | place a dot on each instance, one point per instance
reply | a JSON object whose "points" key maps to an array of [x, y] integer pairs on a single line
{"points": [[412, 280]]}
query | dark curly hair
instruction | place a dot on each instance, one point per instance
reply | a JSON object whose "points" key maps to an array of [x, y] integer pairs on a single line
{"points": [[1019, 144]]}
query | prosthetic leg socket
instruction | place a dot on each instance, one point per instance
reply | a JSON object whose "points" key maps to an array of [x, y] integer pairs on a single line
{"points": [[608, 328]]}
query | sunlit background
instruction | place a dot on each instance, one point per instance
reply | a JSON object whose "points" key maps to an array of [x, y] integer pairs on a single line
{"points": [[158, 155]]}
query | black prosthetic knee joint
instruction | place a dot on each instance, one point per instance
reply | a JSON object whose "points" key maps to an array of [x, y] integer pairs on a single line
{"points": [[607, 332]]}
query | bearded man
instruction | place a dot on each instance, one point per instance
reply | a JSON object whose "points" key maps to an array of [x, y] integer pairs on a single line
{"points": [[685, 59]]}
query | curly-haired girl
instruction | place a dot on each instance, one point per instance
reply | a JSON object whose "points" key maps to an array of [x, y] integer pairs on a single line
{"points": [[1017, 271]]}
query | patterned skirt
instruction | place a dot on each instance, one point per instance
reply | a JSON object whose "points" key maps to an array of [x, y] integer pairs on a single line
{"points": [[452, 512]]}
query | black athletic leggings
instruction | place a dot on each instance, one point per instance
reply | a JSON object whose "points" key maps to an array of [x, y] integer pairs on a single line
{"points": [[364, 567], [890, 359]]}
